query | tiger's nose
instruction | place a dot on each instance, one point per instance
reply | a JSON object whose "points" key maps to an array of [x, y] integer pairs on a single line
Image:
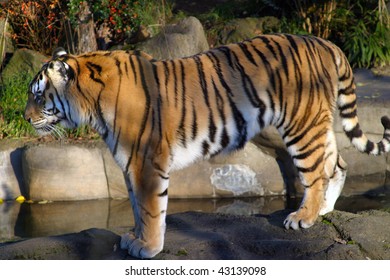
{"points": [[27, 115]]}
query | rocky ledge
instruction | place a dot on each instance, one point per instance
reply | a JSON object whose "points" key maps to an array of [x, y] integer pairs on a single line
{"points": [[195, 235]]}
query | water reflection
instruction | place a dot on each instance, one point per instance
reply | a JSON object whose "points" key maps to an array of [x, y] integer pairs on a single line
{"points": [[34, 220]]}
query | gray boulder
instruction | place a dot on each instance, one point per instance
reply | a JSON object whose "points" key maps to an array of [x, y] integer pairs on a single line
{"points": [[23, 61], [183, 39], [79, 175], [241, 29]]}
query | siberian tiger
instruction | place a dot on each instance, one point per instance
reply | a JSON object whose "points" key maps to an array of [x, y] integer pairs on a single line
{"points": [[159, 116]]}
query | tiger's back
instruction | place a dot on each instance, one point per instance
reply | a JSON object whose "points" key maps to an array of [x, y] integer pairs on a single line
{"points": [[247, 86], [158, 116]]}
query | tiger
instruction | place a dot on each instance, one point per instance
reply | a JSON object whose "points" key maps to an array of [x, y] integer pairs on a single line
{"points": [[157, 116]]}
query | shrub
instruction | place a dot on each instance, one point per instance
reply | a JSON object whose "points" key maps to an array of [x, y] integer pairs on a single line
{"points": [[118, 15], [367, 40], [37, 25], [121, 17], [359, 27]]}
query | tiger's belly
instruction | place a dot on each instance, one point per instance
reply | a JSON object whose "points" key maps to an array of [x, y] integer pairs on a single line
{"points": [[228, 137]]}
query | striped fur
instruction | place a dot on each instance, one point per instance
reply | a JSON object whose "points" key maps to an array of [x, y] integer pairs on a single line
{"points": [[158, 116]]}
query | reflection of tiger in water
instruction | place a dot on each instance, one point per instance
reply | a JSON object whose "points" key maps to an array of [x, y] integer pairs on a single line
{"points": [[157, 116]]}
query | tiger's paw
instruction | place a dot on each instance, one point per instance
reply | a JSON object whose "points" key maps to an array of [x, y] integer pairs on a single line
{"points": [[139, 248], [299, 219]]}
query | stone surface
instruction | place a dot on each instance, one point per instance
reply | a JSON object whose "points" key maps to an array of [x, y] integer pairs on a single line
{"points": [[241, 29], [183, 39], [115, 180], [194, 235], [11, 174], [224, 176], [24, 61], [64, 172]]}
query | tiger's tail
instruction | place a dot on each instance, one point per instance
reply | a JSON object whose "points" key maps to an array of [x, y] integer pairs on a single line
{"points": [[347, 106]]}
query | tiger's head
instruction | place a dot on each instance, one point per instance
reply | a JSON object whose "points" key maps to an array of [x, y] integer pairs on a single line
{"points": [[47, 104]]}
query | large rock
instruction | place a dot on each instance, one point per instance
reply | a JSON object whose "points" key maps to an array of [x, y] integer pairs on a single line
{"points": [[238, 30], [11, 174], [64, 172], [183, 39], [249, 172], [24, 61]]}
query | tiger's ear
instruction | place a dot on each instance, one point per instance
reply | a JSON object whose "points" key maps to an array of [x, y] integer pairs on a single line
{"points": [[58, 52]]}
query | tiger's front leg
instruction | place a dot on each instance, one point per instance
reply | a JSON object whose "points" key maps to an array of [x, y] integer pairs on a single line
{"points": [[149, 198]]}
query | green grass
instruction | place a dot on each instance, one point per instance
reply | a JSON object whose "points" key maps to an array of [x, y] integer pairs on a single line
{"points": [[13, 98]]}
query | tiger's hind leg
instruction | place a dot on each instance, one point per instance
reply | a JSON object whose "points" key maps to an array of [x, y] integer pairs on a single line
{"points": [[308, 149], [335, 171], [149, 199]]}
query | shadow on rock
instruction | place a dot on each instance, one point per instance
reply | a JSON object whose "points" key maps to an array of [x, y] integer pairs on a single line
{"points": [[196, 235]]}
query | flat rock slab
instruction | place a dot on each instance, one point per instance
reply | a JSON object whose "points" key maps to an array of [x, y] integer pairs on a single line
{"points": [[195, 235]]}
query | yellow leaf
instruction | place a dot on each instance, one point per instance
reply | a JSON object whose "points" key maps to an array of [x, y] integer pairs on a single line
{"points": [[20, 199], [1, 200]]}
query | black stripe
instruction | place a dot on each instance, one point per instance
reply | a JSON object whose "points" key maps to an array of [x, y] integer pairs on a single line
{"points": [[224, 141], [175, 82], [69, 115], [347, 90], [129, 160], [348, 106], [228, 54], [205, 148], [241, 125], [117, 63], [182, 130], [126, 69], [218, 69], [313, 167], [292, 40], [328, 49], [166, 73], [355, 132], [194, 122], [350, 115], [268, 67], [308, 153], [147, 102], [267, 43], [304, 133], [99, 113], [369, 147], [114, 151], [249, 88], [284, 60], [381, 147], [247, 53], [203, 84], [133, 68], [202, 79], [92, 68], [159, 101], [164, 193]]}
